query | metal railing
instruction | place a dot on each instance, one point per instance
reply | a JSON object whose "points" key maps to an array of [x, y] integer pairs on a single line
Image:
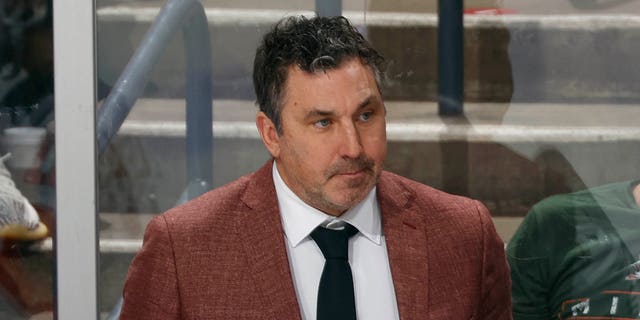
{"points": [[189, 16]]}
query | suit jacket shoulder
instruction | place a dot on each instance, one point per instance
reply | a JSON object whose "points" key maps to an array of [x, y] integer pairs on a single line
{"points": [[446, 244], [212, 209], [435, 207], [220, 256]]}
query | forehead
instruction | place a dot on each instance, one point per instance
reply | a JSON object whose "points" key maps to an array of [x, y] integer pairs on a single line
{"points": [[349, 80]]}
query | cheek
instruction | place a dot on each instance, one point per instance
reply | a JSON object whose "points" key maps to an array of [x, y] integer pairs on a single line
{"points": [[304, 157], [376, 146], [316, 159]]}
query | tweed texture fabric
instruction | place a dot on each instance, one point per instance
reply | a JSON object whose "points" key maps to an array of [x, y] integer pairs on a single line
{"points": [[223, 256]]}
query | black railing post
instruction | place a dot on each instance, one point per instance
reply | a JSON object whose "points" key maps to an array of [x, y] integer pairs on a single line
{"points": [[328, 8], [450, 57]]}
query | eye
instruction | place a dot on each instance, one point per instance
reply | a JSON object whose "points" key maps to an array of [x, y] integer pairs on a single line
{"points": [[322, 123], [366, 116]]}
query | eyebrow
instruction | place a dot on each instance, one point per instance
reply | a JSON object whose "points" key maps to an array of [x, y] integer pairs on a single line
{"points": [[315, 112], [318, 113]]}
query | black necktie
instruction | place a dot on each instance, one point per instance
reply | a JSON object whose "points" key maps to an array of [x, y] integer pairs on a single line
{"points": [[335, 293]]}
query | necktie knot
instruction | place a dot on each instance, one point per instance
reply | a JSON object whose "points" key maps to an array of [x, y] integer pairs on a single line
{"points": [[334, 244]]}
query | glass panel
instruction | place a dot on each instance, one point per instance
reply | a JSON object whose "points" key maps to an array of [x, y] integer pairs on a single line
{"points": [[27, 160], [563, 157], [144, 169], [551, 109], [551, 104]]}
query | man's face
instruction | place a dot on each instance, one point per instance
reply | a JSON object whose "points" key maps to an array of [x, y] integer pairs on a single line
{"points": [[333, 143]]}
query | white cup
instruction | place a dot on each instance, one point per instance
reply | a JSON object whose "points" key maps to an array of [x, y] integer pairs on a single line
{"points": [[24, 144]]}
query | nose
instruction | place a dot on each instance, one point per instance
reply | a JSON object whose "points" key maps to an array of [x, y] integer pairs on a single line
{"points": [[351, 143]]}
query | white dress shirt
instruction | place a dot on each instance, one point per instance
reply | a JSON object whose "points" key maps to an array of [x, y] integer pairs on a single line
{"points": [[373, 286]]}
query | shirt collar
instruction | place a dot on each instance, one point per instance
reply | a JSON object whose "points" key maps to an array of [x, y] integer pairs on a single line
{"points": [[300, 219]]}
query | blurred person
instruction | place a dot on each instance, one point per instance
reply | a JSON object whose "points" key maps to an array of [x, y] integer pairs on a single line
{"points": [[18, 218], [21, 293], [321, 231], [577, 256]]}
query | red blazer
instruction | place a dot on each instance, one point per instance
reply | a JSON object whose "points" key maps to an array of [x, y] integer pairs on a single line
{"points": [[223, 256]]}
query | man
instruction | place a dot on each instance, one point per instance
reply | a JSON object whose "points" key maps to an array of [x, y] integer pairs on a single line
{"points": [[255, 249], [577, 256]]}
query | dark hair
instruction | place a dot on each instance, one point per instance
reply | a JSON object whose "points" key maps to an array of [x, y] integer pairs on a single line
{"points": [[313, 44]]}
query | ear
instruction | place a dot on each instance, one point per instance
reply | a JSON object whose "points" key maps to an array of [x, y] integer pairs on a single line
{"points": [[268, 133]]}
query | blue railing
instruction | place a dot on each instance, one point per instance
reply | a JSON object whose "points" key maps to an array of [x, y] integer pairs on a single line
{"points": [[189, 16]]}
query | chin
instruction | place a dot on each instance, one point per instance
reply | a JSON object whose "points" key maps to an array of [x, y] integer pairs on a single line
{"points": [[350, 201]]}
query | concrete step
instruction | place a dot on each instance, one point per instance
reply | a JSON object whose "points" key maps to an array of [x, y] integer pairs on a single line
{"points": [[518, 58], [509, 156]]}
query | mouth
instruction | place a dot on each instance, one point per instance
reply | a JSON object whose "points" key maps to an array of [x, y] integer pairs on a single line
{"points": [[353, 169], [352, 173]]}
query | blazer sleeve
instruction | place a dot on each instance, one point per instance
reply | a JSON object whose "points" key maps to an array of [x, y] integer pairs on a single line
{"points": [[495, 300], [151, 288]]}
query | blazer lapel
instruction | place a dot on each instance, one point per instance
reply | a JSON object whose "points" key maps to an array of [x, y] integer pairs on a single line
{"points": [[263, 241], [404, 231]]}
